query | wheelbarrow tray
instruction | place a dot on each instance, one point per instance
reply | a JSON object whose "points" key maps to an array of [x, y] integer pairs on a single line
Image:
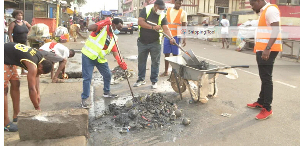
{"points": [[186, 72]]}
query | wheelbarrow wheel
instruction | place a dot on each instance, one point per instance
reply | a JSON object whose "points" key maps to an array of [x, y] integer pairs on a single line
{"points": [[182, 86]]}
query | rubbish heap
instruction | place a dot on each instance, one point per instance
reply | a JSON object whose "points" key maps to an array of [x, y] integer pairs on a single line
{"points": [[118, 74], [150, 111]]}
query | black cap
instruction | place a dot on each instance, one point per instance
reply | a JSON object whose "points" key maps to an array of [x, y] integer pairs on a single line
{"points": [[160, 3]]}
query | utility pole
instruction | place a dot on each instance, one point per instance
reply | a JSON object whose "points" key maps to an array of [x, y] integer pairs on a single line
{"points": [[24, 10], [57, 12]]}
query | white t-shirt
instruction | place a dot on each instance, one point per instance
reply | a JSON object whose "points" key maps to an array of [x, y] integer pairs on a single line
{"points": [[59, 49], [174, 12], [272, 14], [225, 24]]}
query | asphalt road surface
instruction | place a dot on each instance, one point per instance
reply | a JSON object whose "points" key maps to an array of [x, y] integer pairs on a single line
{"points": [[208, 127]]}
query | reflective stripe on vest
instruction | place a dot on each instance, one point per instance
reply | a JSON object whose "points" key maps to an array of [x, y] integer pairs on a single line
{"points": [[177, 22], [93, 47], [91, 50], [263, 34], [161, 17], [266, 41]]}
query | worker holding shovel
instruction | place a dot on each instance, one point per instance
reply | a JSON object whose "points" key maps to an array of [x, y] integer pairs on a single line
{"points": [[149, 41], [100, 43]]}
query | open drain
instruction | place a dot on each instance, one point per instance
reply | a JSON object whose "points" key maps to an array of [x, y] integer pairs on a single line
{"points": [[72, 75]]}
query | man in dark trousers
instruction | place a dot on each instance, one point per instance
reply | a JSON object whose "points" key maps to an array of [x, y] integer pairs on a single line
{"points": [[149, 40], [34, 62], [267, 45]]}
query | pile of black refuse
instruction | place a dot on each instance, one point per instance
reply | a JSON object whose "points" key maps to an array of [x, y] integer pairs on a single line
{"points": [[150, 111]]}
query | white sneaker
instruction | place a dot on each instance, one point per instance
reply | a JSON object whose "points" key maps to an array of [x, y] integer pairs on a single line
{"points": [[139, 83], [154, 86]]}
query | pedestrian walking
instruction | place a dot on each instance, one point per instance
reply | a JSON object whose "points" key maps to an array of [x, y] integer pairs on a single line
{"points": [[99, 44], [176, 17], [18, 30], [74, 31], [30, 59], [267, 46], [149, 41], [224, 31]]}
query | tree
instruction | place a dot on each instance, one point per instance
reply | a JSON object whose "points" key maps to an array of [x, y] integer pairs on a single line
{"points": [[79, 2]]}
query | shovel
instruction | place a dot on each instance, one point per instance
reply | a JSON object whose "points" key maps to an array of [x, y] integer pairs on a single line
{"points": [[126, 71], [189, 56]]}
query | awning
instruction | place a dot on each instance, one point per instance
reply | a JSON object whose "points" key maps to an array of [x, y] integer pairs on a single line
{"points": [[208, 14], [106, 13], [10, 1], [69, 11]]}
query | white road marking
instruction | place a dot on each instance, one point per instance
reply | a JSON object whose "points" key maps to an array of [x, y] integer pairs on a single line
{"points": [[219, 63], [248, 72], [292, 86], [92, 107]]}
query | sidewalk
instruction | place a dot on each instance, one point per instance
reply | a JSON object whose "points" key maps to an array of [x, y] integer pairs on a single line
{"points": [[54, 96]]}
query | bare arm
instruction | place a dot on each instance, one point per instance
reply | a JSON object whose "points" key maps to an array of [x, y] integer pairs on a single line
{"points": [[28, 25], [183, 40], [77, 30], [142, 22], [167, 31], [32, 84], [274, 34], [10, 31], [37, 86]]}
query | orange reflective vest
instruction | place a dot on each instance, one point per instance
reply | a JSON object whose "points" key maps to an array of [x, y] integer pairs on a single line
{"points": [[263, 34], [173, 25]]}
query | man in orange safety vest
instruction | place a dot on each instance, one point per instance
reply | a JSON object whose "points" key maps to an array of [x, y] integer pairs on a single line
{"points": [[176, 17], [267, 45]]}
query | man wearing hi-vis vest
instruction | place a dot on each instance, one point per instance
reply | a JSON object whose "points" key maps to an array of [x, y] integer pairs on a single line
{"points": [[99, 44], [149, 40], [267, 45], [176, 17]]}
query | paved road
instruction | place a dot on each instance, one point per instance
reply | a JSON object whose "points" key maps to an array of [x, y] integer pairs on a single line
{"points": [[208, 127]]}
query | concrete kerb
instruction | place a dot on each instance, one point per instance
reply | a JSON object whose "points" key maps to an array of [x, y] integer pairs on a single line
{"points": [[39, 125]]}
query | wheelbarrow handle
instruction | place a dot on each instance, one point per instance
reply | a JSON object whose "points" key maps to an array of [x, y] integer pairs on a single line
{"points": [[217, 72], [240, 66]]}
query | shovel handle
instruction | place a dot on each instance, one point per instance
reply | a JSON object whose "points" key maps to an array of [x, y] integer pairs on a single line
{"points": [[151, 23], [240, 66], [217, 72]]}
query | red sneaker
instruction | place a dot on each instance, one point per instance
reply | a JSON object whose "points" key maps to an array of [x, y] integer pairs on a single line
{"points": [[254, 105], [264, 114]]}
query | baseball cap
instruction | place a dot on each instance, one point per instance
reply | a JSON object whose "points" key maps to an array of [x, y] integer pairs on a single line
{"points": [[160, 3]]}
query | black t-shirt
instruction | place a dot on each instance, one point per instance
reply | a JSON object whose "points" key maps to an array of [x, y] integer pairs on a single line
{"points": [[148, 36], [15, 53], [20, 33]]}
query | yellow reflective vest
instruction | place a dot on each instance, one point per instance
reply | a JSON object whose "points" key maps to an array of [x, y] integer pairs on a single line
{"points": [[161, 17], [93, 47]]}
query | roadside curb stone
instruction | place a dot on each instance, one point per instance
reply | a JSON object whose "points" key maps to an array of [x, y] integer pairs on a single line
{"points": [[38, 125]]}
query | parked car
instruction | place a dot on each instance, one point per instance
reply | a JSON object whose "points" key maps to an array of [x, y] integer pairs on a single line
{"points": [[127, 26], [134, 21]]}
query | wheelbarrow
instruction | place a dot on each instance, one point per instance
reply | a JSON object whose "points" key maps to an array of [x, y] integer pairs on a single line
{"points": [[200, 83]]}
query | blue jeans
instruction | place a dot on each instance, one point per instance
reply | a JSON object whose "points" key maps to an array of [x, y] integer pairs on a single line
{"points": [[143, 51], [87, 73]]}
